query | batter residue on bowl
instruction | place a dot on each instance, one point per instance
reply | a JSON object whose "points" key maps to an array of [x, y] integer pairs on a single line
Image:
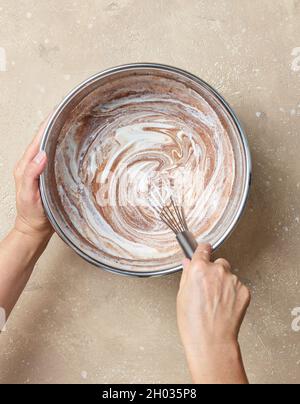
{"points": [[125, 136]]}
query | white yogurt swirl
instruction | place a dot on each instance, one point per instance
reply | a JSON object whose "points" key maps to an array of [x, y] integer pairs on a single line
{"points": [[122, 139]]}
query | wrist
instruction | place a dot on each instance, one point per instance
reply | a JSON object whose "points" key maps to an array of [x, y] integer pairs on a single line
{"points": [[22, 250], [33, 241], [39, 234], [30, 245], [216, 363], [207, 350]]}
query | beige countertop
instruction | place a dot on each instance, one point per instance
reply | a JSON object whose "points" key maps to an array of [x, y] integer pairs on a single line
{"points": [[78, 324]]}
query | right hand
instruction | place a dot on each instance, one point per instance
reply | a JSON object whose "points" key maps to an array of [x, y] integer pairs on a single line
{"points": [[211, 306]]}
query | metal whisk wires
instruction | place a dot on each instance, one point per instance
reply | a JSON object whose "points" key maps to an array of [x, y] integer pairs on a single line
{"points": [[173, 216]]}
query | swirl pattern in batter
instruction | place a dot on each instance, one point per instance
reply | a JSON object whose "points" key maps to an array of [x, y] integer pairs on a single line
{"points": [[125, 138]]}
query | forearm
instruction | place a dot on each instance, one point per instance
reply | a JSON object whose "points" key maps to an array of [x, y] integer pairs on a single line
{"points": [[19, 253], [220, 364]]}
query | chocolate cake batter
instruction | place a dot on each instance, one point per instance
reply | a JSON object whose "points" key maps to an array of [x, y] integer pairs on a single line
{"points": [[124, 138]]}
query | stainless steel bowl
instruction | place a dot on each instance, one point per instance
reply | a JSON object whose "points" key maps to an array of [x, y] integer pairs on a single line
{"points": [[57, 121]]}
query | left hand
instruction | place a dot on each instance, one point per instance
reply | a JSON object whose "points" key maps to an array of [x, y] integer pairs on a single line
{"points": [[31, 218]]}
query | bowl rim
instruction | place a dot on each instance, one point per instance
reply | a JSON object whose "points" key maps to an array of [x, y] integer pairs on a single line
{"points": [[141, 66]]}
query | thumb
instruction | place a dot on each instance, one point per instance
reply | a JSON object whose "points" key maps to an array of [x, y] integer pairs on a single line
{"points": [[203, 252], [32, 172], [185, 263]]}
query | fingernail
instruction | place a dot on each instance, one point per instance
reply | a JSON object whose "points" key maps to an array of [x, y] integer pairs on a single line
{"points": [[39, 157]]}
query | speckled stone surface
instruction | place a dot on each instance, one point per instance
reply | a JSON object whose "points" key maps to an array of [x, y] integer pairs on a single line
{"points": [[78, 324]]}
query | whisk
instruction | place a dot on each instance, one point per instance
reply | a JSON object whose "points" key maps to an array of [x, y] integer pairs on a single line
{"points": [[173, 216]]}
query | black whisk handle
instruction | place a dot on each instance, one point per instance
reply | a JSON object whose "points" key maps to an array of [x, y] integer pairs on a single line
{"points": [[188, 243]]}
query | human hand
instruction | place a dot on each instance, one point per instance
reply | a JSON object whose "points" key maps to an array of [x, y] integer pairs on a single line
{"points": [[211, 306], [31, 219], [24, 244]]}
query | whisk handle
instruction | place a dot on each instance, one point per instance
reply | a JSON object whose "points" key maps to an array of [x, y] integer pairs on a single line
{"points": [[188, 243]]}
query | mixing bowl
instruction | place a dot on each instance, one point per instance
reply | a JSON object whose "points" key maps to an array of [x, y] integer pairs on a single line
{"points": [[133, 119]]}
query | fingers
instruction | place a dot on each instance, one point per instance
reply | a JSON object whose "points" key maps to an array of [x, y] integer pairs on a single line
{"points": [[244, 301], [31, 175], [199, 262], [201, 256], [34, 146], [31, 150], [203, 252], [224, 263]]}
